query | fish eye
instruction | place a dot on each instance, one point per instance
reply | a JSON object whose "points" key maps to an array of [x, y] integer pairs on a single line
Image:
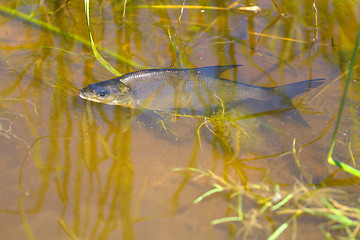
{"points": [[102, 94]]}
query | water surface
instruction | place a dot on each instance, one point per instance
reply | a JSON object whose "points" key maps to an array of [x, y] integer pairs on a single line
{"points": [[76, 168]]}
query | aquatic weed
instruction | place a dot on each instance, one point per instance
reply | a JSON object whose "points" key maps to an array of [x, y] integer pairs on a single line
{"points": [[301, 201]]}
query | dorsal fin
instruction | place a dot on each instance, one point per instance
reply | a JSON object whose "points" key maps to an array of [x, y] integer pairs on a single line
{"points": [[213, 71]]}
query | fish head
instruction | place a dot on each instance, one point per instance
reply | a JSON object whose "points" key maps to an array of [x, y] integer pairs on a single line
{"points": [[109, 92]]}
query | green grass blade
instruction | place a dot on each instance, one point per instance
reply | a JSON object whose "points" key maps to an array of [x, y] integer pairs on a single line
{"points": [[285, 225], [24, 220], [345, 167], [344, 220], [69, 232], [282, 202], [180, 7], [341, 108], [191, 169], [217, 188], [104, 63], [265, 207], [66, 34], [225, 220], [173, 43], [278, 231], [239, 208]]}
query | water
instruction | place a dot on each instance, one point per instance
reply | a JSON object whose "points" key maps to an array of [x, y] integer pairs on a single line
{"points": [[107, 172]]}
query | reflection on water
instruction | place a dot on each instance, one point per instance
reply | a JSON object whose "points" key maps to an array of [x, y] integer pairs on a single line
{"points": [[93, 171]]}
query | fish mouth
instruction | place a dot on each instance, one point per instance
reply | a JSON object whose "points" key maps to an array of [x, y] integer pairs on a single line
{"points": [[83, 95]]}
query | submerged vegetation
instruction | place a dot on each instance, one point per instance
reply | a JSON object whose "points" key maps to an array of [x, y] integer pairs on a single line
{"points": [[273, 177], [288, 207]]}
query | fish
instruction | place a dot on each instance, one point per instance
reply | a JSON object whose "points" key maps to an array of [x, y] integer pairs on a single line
{"points": [[166, 89]]}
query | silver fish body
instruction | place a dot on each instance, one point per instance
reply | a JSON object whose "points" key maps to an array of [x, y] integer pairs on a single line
{"points": [[194, 88]]}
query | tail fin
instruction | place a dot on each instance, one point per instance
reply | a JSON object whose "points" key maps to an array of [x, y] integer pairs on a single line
{"points": [[293, 89], [282, 98]]}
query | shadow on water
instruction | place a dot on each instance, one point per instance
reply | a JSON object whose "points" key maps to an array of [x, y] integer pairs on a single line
{"points": [[92, 171]]}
